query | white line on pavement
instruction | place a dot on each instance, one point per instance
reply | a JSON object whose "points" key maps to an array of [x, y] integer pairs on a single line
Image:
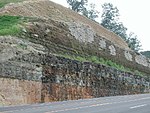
{"points": [[94, 105], [138, 106]]}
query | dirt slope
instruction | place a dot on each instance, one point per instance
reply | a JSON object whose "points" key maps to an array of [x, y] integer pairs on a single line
{"points": [[47, 9]]}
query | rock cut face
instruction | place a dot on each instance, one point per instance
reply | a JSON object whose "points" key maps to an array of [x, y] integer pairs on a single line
{"points": [[32, 67], [20, 58]]}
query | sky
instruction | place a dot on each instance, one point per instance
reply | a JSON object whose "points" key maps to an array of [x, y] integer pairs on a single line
{"points": [[133, 13]]}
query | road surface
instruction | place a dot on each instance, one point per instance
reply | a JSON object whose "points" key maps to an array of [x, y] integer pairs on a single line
{"points": [[115, 104]]}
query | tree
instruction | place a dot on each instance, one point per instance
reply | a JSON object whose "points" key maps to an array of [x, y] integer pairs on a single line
{"points": [[133, 42], [110, 15], [110, 20], [120, 30], [81, 8], [91, 13], [76, 5]]}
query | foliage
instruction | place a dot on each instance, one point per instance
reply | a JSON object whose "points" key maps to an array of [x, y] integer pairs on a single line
{"points": [[109, 15], [81, 7], [133, 42], [4, 2], [76, 5], [146, 53], [110, 20], [9, 25], [91, 13]]}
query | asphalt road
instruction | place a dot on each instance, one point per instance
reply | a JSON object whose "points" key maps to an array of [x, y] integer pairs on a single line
{"points": [[116, 104]]}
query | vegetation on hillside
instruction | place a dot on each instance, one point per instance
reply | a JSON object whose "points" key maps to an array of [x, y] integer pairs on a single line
{"points": [[102, 61], [4, 2], [9, 25]]}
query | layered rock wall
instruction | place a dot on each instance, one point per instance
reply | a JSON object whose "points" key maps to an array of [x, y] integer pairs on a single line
{"points": [[65, 79], [20, 71]]}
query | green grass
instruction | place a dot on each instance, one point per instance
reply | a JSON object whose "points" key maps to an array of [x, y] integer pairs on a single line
{"points": [[9, 25], [102, 61], [4, 2]]}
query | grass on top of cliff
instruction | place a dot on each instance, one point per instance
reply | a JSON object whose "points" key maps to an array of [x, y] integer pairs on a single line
{"points": [[9, 25], [4, 2], [99, 60]]}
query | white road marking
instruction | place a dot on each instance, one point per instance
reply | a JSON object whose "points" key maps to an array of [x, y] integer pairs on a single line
{"points": [[95, 105], [138, 106], [82, 103], [70, 109]]}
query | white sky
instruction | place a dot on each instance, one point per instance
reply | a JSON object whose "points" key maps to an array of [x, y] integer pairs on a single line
{"points": [[133, 13]]}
